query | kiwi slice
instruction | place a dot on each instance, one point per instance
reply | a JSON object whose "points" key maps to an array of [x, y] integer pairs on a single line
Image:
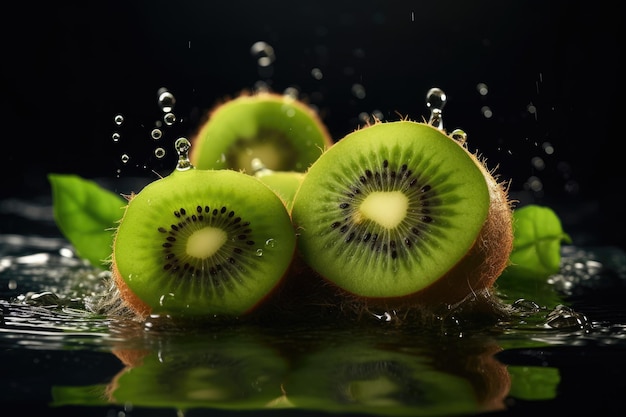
{"points": [[400, 208], [283, 132], [202, 243], [284, 183]]}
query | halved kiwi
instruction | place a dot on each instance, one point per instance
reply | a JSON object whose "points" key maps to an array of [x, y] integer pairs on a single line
{"points": [[281, 131], [202, 243], [400, 209], [284, 183]]}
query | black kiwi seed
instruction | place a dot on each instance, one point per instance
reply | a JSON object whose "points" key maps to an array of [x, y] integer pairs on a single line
{"points": [[229, 264], [422, 203]]}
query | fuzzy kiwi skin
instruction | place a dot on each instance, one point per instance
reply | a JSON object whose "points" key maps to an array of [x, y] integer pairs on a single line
{"points": [[283, 132], [476, 271], [140, 235]]}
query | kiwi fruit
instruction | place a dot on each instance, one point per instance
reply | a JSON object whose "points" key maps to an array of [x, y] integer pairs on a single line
{"points": [[399, 213], [355, 378], [229, 370], [281, 131], [284, 183], [201, 243]]}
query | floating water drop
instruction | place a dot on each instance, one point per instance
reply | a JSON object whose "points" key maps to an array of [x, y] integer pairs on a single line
{"points": [[460, 136], [166, 100], [486, 112], [118, 119], [169, 118], [264, 53], [358, 91], [156, 134], [125, 158], [116, 137], [482, 89], [435, 101], [159, 152], [182, 146], [317, 73]]}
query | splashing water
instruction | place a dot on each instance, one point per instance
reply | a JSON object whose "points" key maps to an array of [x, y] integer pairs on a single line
{"points": [[166, 100], [435, 101], [182, 146]]}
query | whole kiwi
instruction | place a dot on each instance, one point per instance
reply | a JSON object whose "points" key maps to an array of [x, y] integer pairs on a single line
{"points": [[401, 214], [281, 131], [202, 243]]}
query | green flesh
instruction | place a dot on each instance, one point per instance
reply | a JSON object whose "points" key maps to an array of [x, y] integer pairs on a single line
{"points": [[281, 132], [357, 231], [284, 183], [204, 243]]}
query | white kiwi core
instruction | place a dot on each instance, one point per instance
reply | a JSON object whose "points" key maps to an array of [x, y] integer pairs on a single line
{"points": [[387, 208], [205, 242]]}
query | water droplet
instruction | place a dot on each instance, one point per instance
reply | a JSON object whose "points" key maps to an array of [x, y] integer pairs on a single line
{"points": [[159, 152], [182, 146], [166, 100], [563, 317], [358, 91], [169, 119], [291, 93], [538, 163], [548, 148], [125, 158], [259, 252], [118, 119], [289, 111], [482, 89], [317, 73], [435, 101], [165, 298], [460, 136], [486, 112], [534, 184], [264, 53], [116, 137], [156, 134], [12, 284], [270, 243], [257, 166]]}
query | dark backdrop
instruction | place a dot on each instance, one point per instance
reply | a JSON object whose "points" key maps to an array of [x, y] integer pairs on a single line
{"points": [[551, 68]]}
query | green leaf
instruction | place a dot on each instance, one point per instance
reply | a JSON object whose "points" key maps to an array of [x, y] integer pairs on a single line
{"points": [[538, 236], [534, 383], [86, 214]]}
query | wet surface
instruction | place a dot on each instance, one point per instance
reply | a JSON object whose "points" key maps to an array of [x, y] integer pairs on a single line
{"points": [[561, 347]]}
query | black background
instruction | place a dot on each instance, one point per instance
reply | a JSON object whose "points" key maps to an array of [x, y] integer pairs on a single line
{"points": [[69, 68]]}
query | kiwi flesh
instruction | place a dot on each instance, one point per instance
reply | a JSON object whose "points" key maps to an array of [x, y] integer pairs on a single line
{"points": [[283, 132], [399, 213], [201, 243], [284, 183]]}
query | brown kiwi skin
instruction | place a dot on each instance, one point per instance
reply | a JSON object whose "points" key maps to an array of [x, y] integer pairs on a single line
{"points": [[472, 278]]}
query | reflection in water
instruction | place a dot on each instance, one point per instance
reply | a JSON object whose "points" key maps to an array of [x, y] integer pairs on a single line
{"points": [[465, 361], [368, 369]]}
